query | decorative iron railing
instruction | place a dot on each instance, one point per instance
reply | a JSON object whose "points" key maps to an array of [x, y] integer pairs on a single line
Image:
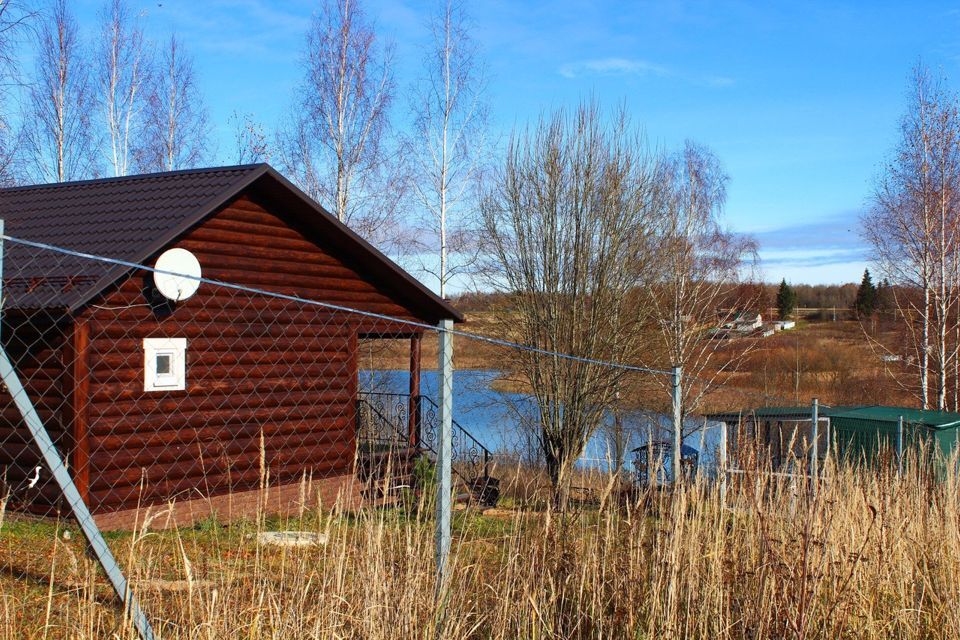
{"points": [[384, 422], [380, 425], [467, 450]]}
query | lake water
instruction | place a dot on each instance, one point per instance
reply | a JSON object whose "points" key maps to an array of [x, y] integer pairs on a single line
{"points": [[502, 421]]}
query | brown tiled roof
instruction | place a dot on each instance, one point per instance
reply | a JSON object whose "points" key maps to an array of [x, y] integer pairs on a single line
{"points": [[114, 217], [132, 218]]}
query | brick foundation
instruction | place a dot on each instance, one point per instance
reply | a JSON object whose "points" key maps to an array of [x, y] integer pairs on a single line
{"points": [[289, 499]]}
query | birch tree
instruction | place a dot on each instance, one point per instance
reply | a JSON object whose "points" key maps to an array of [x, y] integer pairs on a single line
{"points": [[176, 131], [122, 68], [15, 19], [448, 136], [946, 155], [912, 226], [695, 288], [335, 145], [58, 133]]}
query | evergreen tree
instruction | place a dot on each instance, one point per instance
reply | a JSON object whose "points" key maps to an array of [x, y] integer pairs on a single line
{"points": [[866, 301], [884, 296], [786, 300]]}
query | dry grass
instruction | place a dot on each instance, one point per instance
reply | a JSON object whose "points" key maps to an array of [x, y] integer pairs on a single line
{"points": [[871, 556]]}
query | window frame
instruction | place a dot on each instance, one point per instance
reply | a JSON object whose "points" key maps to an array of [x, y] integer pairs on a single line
{"points": [[153, 350]]}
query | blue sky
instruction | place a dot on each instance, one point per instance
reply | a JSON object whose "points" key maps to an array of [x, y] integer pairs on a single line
{"points": [[799, 100]]}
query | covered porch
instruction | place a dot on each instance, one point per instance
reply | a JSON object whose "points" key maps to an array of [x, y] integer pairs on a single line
{"points": [[396, 427]]}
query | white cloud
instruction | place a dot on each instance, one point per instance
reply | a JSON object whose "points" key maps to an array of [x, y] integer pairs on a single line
{"points": [[612, 67], [615, 66]]}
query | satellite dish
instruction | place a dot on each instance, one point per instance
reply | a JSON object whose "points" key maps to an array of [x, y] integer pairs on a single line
{"points": [[177, 287]]}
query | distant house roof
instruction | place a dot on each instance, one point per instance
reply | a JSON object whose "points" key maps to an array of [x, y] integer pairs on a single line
{"points": [[132, 218]]}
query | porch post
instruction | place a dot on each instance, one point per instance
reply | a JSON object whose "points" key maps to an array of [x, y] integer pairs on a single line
{"points": [[413, 412]]}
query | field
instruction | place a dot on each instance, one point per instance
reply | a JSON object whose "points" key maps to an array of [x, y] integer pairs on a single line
{"points": [[870, 556], [830, 360]]}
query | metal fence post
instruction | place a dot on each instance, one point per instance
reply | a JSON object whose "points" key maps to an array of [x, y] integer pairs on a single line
{"points": [[677, 426], [54, 463], [444, 450], [723, 462], [815, 449], [900, 445]]}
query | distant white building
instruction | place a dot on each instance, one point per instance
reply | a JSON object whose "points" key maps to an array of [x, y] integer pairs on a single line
{"points": [[783, 325], [745, 322]]}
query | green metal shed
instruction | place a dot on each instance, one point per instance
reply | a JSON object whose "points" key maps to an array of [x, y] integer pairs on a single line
{"points": [[853, 434], [859, 433]]}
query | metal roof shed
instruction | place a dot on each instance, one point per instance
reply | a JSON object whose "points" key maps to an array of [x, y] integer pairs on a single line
{"points": [[862, 432]]}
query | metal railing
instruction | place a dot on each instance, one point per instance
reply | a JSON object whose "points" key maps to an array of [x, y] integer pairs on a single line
{"points": [[389, 417]]}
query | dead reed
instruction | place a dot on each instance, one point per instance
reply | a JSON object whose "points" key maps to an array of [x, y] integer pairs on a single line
{"points": [[870, 555]]}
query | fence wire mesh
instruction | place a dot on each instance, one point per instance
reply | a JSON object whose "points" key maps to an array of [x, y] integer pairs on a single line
{"points": [[204, 430], [212, 399]]}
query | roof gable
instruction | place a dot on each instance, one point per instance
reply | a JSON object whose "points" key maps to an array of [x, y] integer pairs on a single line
{"points": [[134, 217]]}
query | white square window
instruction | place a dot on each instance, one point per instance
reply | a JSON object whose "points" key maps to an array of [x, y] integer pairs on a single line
{"points": [[164, 364]]}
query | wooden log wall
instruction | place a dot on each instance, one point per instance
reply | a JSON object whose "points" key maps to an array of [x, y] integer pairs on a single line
{"points": [[271, 384], [38, 345]]}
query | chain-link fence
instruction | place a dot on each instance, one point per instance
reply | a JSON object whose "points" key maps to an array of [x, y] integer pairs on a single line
{"points": [[242, 409], [289, 447]]}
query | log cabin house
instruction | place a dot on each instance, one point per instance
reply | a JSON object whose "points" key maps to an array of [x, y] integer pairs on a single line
{"points": [[267, 389]]}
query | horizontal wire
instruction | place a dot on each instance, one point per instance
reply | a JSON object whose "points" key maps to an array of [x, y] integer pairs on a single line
{"points": [[336, 307]]}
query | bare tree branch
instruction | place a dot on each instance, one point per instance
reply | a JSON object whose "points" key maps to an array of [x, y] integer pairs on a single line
{"points": [[122, 69], [251, 143], [176, 131], [57, 129]]}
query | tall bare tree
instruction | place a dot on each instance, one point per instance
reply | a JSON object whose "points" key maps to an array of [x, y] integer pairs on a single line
{"points": [[122, 70], [447, 140], [913, 225], [569, 220], [335, 145], [700, 267], [15, 18], [57, 128], [176, 130]]}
